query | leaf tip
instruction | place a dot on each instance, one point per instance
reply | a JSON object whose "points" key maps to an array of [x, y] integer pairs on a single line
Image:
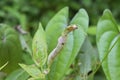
{"points": [[66, 8], [107, 12], [40, 25], [83, 11], [20, 64]]}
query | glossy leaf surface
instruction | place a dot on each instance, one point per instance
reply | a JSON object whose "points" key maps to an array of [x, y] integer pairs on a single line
{"points": [[108, 41]]}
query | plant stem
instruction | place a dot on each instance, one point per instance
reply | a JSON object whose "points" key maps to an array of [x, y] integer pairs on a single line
{"points": [[3, 66], [60, 45]]}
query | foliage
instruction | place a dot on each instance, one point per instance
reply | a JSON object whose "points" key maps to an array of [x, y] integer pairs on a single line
{"points": [[108, 45], [77, 58], [73, 44], [59, 22], [10, 48], [28, 12]]}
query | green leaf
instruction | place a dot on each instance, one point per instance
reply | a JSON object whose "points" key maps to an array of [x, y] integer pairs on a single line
{"points": [[10, 48], [19, 74], [88, 59], [39, 47], [55, 27], [33, 71], [53, 31], [81, 19], [71, 48], [108, 42]]}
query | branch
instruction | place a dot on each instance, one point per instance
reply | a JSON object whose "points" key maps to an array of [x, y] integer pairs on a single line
{"points": [[60, 45], [20, 30]]}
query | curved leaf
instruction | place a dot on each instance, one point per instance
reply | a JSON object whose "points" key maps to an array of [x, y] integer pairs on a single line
{"points": [[71, 48], [55, 27], [33, 71], [39, 47], [9, 45], [108, 45], [53, 31], [81, 19]]}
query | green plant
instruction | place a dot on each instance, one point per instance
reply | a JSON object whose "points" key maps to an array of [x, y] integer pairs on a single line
{"points": [[108, 41], [44, 42], [10, 48], [61, 51]]}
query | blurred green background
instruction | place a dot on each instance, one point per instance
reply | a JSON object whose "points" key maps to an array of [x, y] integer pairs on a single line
{"points": [[28, 13]]}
